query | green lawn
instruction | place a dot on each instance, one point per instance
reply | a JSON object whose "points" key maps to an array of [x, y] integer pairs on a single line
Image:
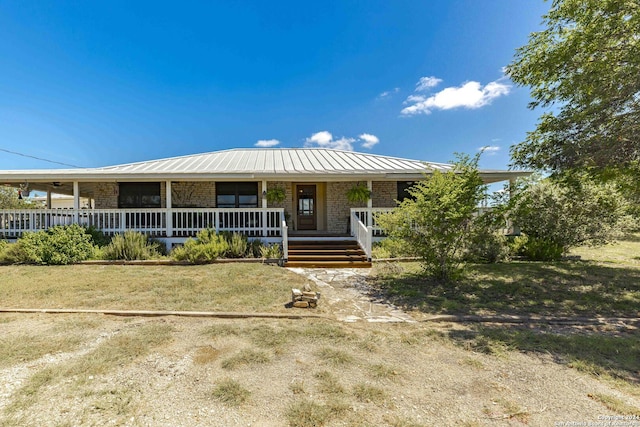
{"points": [[604, 282], [216, 287]]}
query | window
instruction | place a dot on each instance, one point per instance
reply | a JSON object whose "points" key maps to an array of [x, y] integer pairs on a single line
{"points": [[237, 194], [402, 190], [139, 195]]}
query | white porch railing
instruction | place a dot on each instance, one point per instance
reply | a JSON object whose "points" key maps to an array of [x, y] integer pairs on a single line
{"points": [[362, 233], [368, 218], [183, 222]]}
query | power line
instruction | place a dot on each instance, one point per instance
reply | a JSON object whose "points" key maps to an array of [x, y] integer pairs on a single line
{"points": [[38, 158]]}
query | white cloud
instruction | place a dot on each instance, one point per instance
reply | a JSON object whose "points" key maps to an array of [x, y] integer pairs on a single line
{"points": [[490, 149], [369, 140], [414, 98], [426, 83], [470, 95], [388, 93], [266, 143], [325, 139], [321, 138]]}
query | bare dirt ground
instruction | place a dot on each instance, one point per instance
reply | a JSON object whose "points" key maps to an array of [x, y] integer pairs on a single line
{"points": [[176, 371]]}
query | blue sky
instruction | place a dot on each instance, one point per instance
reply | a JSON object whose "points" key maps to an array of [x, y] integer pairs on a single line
{"points": [[100, 83]]}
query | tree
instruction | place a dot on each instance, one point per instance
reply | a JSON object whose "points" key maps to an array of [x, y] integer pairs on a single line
{"points": [[437, 221], [9, 199], [585, 64], [556, 216]]}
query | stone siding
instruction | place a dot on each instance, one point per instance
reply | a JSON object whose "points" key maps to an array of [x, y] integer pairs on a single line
{"points": [[105, 195], [287, 203], [384, 194], [338, 207], [193, 194]]}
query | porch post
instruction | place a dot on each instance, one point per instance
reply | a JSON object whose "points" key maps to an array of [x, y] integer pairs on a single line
{"points": [[264, 194], [76, 202], [369, 204], [169, 219], [48, 215], [264, 208], [511, 229]]}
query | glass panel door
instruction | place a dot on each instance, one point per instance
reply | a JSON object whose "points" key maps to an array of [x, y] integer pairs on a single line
{"points": [[306, 207]]}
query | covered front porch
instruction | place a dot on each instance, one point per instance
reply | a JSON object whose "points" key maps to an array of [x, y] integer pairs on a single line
{"points": [[175, 225]]}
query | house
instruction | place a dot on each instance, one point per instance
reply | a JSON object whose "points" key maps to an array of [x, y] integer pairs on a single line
{"points": [[174, 198], [59, 201]]}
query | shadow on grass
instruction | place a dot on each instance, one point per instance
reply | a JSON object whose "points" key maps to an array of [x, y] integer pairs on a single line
{"points": [[597, 354], [518, 288]]}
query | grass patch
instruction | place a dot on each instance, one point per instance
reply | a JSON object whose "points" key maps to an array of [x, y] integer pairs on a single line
{"points": [[221, 330], [308, 413], [369, 394], [614, 404], [380, 371], [62, 336], [328, 383], [474, 363], [218, 287], [245, 357], [114, 402], [601, 355], [22, 348], [396, 421], [326, 331], [270, 337], [230, 392], [115, 352], [297, 387], [334, 356], [507, 410]]}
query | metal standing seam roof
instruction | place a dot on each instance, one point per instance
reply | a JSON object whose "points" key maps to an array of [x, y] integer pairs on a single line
{"points": [[278, 161], [271, 163]]}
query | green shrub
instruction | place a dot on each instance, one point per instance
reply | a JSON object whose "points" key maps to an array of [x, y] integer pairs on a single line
{"points": [[272, 251], [437, 221], [3, 246], [98, 238], [255, 246], [238, 245], [58, 245], [207, 246], [25, 250], [487, 246], [565, 214], [537, 249], [392, 248], [131, 245]]}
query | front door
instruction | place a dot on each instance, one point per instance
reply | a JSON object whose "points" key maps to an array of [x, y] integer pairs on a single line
{"points": [[306, 207]]}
